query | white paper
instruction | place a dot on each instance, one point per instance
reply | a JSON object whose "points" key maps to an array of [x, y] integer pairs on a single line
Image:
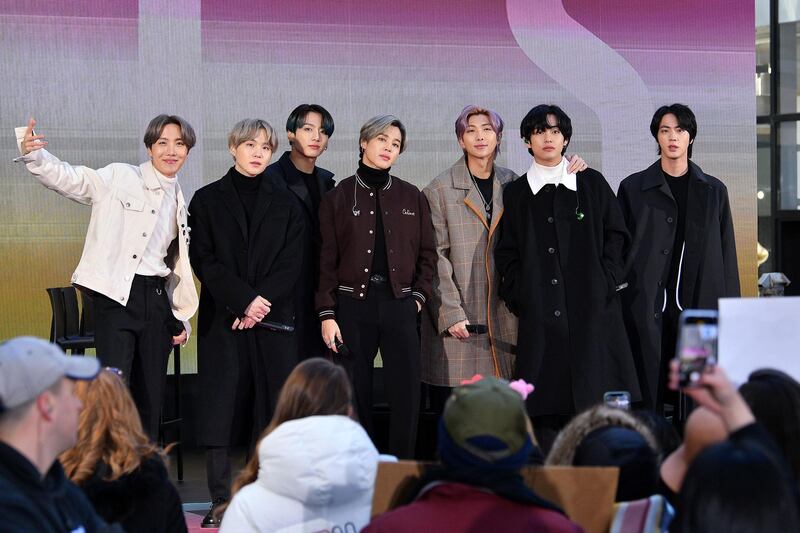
{"points": [[759, 333]]}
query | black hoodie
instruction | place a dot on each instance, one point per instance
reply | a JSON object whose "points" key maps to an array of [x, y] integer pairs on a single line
{"points": [[50, 504]]}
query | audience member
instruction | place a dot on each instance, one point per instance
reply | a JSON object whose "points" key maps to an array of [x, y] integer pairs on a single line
{"points": [[743, 484], [736, 488], [115, 463], [605, 436], [314, 467], [38, 420], [485, 438], [774, 398], [703, 428]]}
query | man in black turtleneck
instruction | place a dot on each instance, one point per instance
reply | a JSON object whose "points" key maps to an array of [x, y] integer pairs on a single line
{"points": [[377, 262], [247, 239], [683, 254], [308, 128]]}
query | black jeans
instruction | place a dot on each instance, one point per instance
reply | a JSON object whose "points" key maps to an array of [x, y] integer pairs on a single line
{"points": [[385, 322], [137, 339]]}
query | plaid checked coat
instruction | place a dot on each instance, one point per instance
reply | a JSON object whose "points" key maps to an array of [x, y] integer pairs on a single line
{"points": [[465, 286]]}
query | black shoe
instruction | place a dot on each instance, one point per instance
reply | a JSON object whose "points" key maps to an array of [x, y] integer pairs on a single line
{"points": [[210, 520]]}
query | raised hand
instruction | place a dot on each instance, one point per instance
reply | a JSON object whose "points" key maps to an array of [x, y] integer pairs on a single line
{"points": [[31, 142]]}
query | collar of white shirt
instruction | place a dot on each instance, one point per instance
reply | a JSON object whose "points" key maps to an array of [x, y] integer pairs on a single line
{"points": [[539, 176]]}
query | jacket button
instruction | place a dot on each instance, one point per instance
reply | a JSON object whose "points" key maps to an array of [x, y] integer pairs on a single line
{"points": [[369, 251], [551, 250], [370, 232], [371, 194], [121, 298], [665, 251], [144, 234], [372, 212], [669, 219], [363, 286], [550, 220], [152, 211], [361, 294], [556, 313], [386, 212], [554, 281], [657, 315], [394, 270], [134, 256], [366, 270], [127, 204]]}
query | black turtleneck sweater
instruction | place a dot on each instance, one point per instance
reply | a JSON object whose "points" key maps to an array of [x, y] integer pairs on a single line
{"points": [[377, 179], [247, 190]]}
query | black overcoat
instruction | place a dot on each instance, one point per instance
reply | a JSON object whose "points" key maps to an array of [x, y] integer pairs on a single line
{"points": [[308, 327], [709, 269], [594, 351], [234, 266]]}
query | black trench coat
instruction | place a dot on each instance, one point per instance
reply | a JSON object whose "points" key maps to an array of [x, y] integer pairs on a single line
{"points": [[281, 173], [709, 270], [234, 266], [595, 350]]}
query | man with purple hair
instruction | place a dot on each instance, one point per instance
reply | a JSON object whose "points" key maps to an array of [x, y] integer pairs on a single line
{"points": [[466, 205]]}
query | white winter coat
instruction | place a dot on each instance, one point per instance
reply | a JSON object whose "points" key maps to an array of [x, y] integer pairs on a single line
{"points": [[314, 473]]}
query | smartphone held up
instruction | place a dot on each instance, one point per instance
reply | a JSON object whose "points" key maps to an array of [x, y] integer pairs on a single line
{"points": [[696, 350]]}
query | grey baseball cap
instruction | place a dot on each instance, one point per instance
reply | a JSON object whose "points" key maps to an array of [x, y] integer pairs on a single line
{"points": [[29, 366]]}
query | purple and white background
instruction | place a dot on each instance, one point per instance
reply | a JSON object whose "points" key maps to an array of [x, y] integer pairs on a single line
{"points": [[93, 73]]}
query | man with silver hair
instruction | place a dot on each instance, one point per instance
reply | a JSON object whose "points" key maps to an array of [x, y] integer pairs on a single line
{"points": [[377, 264], [247, 240], [135, 261]]}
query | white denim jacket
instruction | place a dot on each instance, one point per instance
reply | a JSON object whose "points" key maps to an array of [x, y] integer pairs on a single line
{"points": [[125, 200]]}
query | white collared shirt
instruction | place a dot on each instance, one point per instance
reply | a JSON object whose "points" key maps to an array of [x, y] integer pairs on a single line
{"points": [[539, 176], [165, 230]]}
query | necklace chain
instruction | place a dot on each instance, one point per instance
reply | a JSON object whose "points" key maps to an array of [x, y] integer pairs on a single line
{"points": [[487, 206]]}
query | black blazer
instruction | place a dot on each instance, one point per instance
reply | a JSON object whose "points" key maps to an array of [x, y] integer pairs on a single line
{"points": [[709, 270]]}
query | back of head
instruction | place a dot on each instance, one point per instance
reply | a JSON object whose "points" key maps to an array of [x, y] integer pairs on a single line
{"points": [[109, 430], [627, 449], [606, 436], [485, 425], [662, 429], [736, 488], [774, 398], [703, 428]]}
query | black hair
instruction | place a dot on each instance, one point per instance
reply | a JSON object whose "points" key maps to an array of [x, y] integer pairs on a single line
{"points": [[664, 432], [299, 113], [736, 487], [774, 398], [686, 121], [536, 121]]}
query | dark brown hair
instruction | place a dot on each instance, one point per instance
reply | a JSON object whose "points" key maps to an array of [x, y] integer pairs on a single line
{"points": [[157, 125]]}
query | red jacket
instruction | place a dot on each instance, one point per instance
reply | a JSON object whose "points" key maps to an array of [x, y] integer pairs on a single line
{"points": [[348, 240], [454, 507]]}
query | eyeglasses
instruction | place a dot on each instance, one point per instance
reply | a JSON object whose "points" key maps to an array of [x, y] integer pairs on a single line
{"points": [[114, 370]]}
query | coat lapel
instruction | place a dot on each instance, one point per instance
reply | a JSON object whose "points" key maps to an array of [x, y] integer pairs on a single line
{"points": [[232, 202], [462, 180], [297, 186]]}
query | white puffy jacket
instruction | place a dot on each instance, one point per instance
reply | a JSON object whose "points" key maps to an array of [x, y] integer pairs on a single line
{"points": [[314, 473]]}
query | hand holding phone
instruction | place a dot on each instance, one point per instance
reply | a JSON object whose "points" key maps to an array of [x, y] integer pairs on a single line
{"points": [[697, 344]]}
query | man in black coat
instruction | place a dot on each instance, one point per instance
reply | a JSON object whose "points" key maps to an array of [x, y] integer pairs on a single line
{"points": [[683, 254], [560, 261], [308, 128], [247, 239]]}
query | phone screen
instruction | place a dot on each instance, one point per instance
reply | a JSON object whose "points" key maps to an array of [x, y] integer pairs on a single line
{"points": [[697, 345]]}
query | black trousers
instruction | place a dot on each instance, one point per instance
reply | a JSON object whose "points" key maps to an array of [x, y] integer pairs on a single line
{"points": [[137, 339], [385, 322], [265, 360]]}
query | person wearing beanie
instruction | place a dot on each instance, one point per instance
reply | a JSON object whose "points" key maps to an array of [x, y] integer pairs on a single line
{"points": [[377, 263], [485, 439], [38, 420]]}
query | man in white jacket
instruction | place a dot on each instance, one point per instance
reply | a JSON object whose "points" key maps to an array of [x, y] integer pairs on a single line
{"points": [[135, 261]]}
